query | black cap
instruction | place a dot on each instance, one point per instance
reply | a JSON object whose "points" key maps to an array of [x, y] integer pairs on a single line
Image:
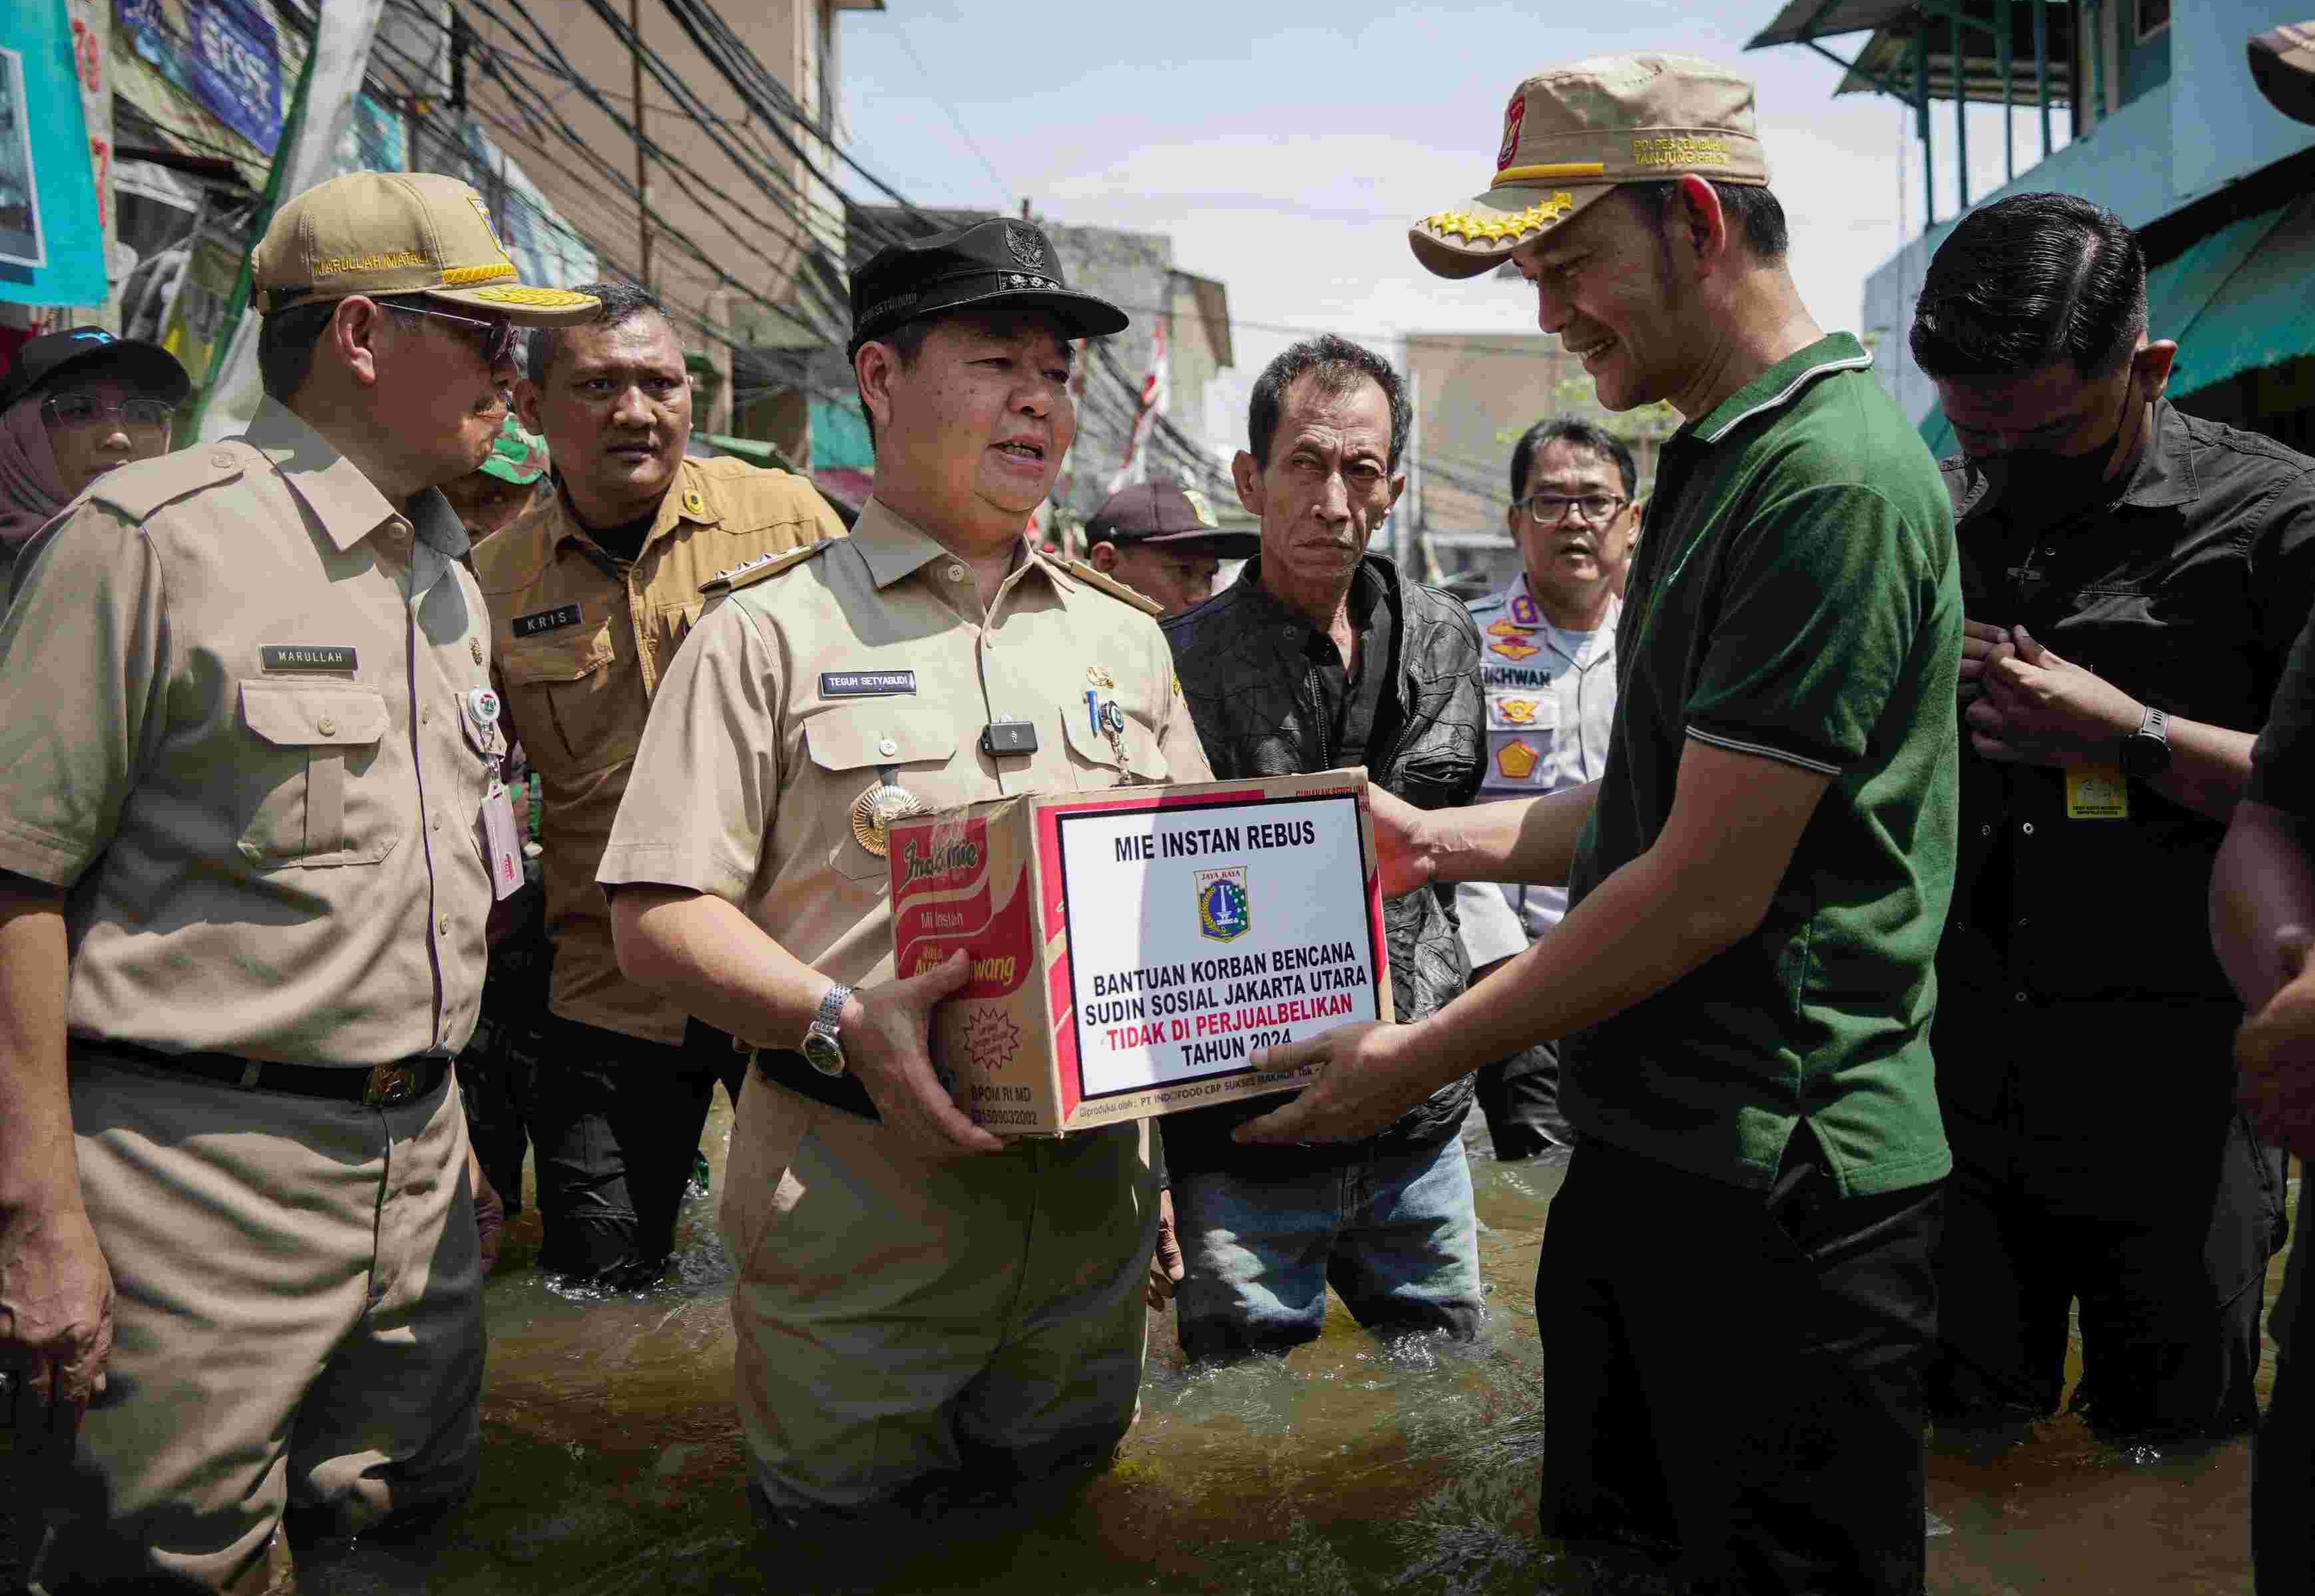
{"points": [[1000, 262], [43, 360], [1166, 515]]}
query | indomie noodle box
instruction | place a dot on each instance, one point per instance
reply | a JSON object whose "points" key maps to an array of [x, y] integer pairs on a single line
{"points": [[1132, 948]]}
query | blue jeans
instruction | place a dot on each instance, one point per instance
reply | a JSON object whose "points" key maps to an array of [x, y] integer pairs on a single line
{"points": [[1393, 1233]]}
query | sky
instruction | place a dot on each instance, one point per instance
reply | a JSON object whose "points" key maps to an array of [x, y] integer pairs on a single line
{"points": [[1287, 158]]}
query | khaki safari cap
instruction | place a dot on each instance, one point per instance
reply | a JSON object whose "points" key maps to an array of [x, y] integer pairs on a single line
{"points": [[399, 233], [1573, 133]]}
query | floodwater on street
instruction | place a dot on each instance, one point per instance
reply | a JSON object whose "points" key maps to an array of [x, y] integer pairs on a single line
{"points": [[611, 1463]]}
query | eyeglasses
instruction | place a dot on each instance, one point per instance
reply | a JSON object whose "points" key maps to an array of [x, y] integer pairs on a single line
{"points": [[76, 410], [1547, 510], [496, 340]]}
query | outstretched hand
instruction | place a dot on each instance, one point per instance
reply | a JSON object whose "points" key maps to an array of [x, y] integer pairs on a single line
{"points": [[1369, 1080], [1405, 851]]}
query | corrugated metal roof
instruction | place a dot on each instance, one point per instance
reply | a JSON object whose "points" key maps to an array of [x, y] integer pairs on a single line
{"points": [[1888, 55]]}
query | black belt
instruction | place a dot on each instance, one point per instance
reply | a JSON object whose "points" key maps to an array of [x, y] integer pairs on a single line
{"points": [[785, 1067], [381, 1086]]}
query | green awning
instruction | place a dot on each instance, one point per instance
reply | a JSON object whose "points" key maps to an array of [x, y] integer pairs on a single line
{"points": [[2236, 301]]}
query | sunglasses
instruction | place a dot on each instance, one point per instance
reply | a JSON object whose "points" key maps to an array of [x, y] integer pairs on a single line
{"points": [[495, 340]]}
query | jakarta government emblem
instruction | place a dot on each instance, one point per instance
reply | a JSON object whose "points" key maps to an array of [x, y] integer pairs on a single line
{"points": [[1222, 912]]}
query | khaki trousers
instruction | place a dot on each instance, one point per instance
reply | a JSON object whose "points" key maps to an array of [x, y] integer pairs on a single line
{"points": [[903, 1322], [298, 1326]]}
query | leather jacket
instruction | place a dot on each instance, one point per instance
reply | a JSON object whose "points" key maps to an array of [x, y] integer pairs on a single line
{"points": [[1244, 668]]}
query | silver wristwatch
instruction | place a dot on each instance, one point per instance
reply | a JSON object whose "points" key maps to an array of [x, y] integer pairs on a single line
{"points": [[822, 1049]]}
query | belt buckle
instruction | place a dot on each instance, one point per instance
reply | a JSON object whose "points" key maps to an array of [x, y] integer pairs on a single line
{"points": [[389, 1085]]}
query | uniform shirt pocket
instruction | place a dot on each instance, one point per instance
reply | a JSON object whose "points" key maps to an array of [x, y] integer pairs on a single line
{"points": [[850, 744], [1093, 760], [312, 796], [576, 709]]}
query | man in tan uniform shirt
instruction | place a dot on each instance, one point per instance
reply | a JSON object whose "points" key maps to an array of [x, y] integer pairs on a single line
{"points": [[247, 742], [918, 1304], [590, 594]]}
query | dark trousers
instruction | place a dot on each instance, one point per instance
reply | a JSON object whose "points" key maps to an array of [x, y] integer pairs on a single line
{"points": [[2282, 1461], [2100, 1160], [1520, 1096], [616, 1123], [1775, 1441]]}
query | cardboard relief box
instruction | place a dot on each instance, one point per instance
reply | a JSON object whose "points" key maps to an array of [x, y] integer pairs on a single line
{"points": [[1132, 948]]}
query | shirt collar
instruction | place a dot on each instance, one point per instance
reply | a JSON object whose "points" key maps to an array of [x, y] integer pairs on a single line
{"points": [[1781, 383], [684, 501], [2163, 477], [345, 501], [2165, 473], [896, 547], [1518, 590]]}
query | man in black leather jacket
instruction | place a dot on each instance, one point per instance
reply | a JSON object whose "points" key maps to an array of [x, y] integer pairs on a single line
{"points": [[1323, 655]]}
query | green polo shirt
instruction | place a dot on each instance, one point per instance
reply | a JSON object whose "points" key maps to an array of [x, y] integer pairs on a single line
{"points": [[1797, 597]]}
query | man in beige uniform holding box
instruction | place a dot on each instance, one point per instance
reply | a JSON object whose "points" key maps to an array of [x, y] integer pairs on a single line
{"points": [[246, 746], [917, 1301], [590, 594]]}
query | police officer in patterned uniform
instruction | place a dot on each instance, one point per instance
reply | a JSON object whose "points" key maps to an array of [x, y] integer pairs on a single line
{"points": [[590, 594], [1548, 665], [250, 833], [920, 1305]]}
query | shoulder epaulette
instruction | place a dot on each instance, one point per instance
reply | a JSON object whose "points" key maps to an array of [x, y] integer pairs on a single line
{"points": [[138, 489], [762, 567], [1111, 586]]}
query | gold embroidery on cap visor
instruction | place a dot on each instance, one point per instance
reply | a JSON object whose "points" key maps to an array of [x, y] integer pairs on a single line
{"points": [[459, 276], [1509, 228], [544, 298], [1680, 149]]}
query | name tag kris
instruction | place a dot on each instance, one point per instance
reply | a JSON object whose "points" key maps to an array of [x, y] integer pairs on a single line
{"points": [[546, 620]]}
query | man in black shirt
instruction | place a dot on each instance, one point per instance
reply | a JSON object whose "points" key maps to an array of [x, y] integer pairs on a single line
{"points": [[1321, 656], [2134, 578]]}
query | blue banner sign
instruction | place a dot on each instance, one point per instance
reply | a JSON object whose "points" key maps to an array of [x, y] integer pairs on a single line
{"points": [[236, 69]]}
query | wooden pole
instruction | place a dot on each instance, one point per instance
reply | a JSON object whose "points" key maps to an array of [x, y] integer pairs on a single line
{"points": [[642, 189]]}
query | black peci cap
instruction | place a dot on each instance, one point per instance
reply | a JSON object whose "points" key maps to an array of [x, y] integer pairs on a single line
{"points": [[1166, 515], [92, 350], [999, 264]]}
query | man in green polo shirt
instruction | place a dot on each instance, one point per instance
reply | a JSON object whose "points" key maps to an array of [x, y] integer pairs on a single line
{"points": [[1757, 883]]}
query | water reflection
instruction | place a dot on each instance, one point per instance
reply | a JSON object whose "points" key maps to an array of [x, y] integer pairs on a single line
{"points": [[611, 1464]]}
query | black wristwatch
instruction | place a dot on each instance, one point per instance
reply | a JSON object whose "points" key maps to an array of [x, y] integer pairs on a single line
{"points": [[2146, 752]]}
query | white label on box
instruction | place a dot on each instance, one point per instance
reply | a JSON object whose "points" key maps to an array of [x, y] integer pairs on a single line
{"points": [[1198, 934]]}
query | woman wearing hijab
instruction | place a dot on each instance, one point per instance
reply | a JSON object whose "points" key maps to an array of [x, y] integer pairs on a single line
{"points": [[73, 405]]}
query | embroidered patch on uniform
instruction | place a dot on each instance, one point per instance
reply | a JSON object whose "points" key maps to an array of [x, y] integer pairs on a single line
{"points": [[1523, 611], [292, 656], [1511, 648], [546, 620], [1518, 711], [1517, 759], [1509, 628], [866, 684]]}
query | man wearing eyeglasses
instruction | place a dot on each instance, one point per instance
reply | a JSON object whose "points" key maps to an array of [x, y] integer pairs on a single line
{"points": [[1547, 666], [250, 825], [590, 594]]}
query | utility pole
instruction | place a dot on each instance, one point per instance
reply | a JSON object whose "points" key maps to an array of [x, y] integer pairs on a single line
{"points": [[642, 191]]}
